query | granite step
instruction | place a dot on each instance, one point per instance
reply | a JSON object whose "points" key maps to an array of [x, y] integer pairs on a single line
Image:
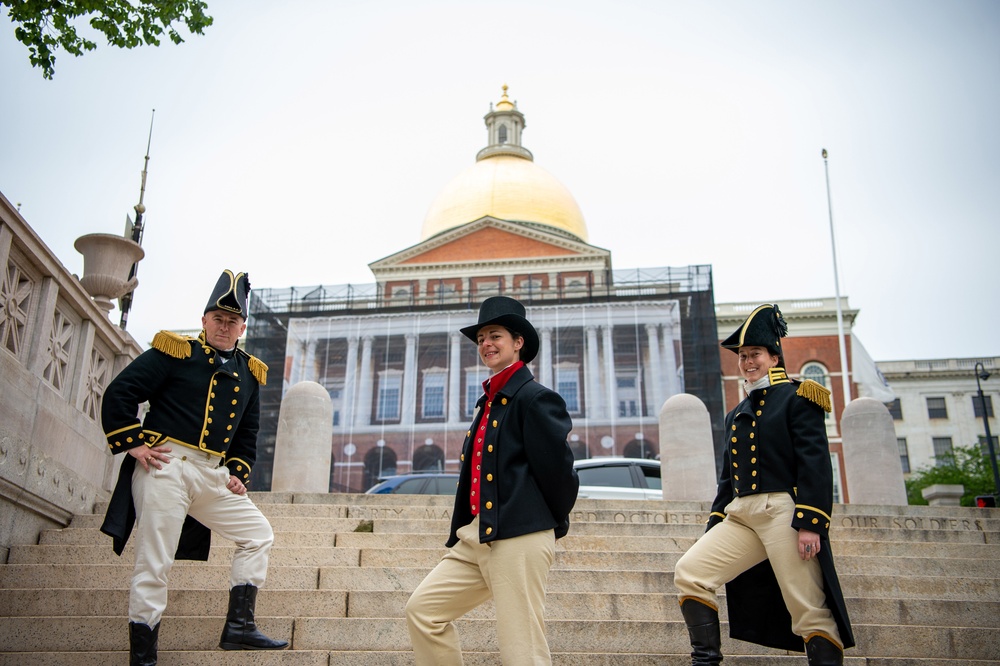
{"points": [[48, 634], [609, 606]]}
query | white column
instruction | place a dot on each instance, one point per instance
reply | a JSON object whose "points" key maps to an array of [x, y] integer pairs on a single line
{"points": [[654, 385], [363, 412], [455, 376], [610, 378], [592, 375], [304, 369], [545, 358], [671, 383], [350, 379], [409, 399]]}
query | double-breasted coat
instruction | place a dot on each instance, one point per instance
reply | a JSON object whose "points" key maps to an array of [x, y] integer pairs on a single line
{"points": [[528, 480], [195, 401], [775, 441]]}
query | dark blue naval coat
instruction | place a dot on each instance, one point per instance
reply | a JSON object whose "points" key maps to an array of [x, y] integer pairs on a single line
{"points": [[775, 441], [196, 402], [528, 480]]}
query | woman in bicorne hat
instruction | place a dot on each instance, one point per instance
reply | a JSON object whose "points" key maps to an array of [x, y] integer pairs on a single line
{"points": [[516, 489], [768, 533]]}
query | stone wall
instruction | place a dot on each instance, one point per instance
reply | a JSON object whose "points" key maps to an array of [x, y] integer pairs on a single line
{"points": [[58, 351]]}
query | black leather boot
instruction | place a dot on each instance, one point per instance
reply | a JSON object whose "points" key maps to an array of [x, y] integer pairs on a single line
{"points": [[240, 632], [821, 651], [703, 629], [142, 644]]}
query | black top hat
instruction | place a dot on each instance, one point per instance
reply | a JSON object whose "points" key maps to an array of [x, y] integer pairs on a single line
{"points": [[508, 313], [230, 294], [763, 328]]}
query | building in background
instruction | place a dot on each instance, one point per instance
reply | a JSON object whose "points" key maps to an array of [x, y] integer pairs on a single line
{"points": [[616, 344], [937, 407]]}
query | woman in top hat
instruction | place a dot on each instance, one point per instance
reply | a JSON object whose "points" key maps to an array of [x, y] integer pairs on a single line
{"points": [[515, 492], [768, 532]]}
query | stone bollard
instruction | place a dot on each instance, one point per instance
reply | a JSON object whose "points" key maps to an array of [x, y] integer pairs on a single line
{"points": [[871, 454], [302, 447], [944, 494], [687, 458]]}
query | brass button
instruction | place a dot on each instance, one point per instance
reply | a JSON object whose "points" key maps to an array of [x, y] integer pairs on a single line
{"points": [[489, 505], [489, 477], [489, 448], [489, 530]]}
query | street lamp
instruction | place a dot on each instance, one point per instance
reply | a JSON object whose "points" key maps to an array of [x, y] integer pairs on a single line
{"points": [[981, 373]]}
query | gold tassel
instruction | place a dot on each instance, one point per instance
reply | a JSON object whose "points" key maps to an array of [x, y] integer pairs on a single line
{"points": [[258, 369], [816, 393], [172, 344]]}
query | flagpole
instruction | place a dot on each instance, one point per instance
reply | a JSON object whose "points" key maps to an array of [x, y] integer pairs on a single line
{"points": [[137, 228], [836, 290]]}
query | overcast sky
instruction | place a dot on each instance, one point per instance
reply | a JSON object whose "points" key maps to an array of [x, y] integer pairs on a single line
{"points": [[300, 141]]}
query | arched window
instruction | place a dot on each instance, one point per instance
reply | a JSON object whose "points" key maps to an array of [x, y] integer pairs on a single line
{"points": [[502, 134], [428, 457], [819, 374]]}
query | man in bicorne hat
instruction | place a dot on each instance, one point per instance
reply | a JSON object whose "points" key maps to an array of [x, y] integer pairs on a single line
{"points": [[768, 533], [516, 489], [195, 449]]}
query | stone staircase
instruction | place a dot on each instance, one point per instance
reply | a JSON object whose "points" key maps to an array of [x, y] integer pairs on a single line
{"points": [[922, 586]]}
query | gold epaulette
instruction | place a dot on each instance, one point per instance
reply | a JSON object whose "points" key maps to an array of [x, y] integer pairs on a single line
{"points": [[258, 369], [817, 393], [173, 344]]}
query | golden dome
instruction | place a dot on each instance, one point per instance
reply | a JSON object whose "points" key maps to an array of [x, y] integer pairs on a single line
{"points": [[508, 188]]}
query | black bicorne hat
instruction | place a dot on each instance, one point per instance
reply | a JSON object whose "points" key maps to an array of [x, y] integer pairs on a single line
{"points": [[763, 328], [509, 313], [231, 294]]}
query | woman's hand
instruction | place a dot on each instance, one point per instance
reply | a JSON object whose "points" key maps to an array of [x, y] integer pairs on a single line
{"points": [[808, 544], [236, 486]]}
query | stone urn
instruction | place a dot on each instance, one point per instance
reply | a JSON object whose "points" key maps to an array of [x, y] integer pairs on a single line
{"points": [[107, 260]]}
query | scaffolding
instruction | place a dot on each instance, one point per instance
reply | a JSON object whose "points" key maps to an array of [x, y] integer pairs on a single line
{"points": [[273, 309]]}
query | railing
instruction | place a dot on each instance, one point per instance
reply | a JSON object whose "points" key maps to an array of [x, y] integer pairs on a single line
{"points": [[623, 283]]}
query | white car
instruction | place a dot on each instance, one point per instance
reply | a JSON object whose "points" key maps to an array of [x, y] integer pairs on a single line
{"points": [[619, 478]]}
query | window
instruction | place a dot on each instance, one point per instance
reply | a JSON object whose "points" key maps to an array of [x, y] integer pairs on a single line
{"points": [[985, 448], [977, 406], [815, 372], [474, 379], [835, 463], [942, 450], [335, 395], [904, 453], [652, 475], [610, 476], [433, 400], [530, 286], [628, 396], [895, 410], [936, 408], [502, 134], [568, 386], [389, 389], [818, 373]]}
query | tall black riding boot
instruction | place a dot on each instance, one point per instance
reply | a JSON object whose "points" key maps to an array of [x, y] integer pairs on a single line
{"points": [[142, 644], [703, 628], [821, 651], [240, 632]]}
